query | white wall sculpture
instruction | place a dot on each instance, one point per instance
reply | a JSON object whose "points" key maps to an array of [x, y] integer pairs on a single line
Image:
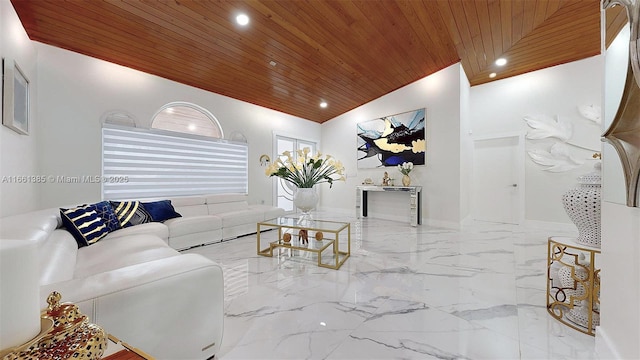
{"points": [[560, 155]]}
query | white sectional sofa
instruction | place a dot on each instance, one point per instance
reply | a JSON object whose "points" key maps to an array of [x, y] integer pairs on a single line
{"points": [[134, 283]]}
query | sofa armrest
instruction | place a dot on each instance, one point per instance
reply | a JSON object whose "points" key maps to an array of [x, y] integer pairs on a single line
{"points": [[171, 308]]}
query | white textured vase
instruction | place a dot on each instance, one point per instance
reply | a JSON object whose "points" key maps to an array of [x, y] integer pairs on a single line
{"points": [[305, 199], [583, 205]]}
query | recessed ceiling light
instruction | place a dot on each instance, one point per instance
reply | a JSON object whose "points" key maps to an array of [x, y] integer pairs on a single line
{"points": [[324, 104], [242, 19], [501, 61], [492, 75], [272, 63], [192, 127]]}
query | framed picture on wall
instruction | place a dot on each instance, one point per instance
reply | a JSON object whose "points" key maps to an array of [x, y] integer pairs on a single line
{"points": [[15, 102], [392, 140]]}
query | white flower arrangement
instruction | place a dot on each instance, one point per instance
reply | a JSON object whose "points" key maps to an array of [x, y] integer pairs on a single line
{"points": [[307, 170], [405, 168]]}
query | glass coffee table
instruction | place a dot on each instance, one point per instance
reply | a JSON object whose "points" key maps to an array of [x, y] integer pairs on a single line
{"points": [[299, 237]]}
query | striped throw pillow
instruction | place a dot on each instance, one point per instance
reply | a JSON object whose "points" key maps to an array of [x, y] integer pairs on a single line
{"points": [[130, 213], [84, 224]]}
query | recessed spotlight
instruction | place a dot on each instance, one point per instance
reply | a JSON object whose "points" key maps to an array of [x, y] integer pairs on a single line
{"points": [[501, 61], [242, 19], [192, 127], [273, 63], [324, 104], [492, 75]]}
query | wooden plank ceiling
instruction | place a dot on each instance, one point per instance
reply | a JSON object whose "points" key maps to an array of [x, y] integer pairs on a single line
{"points": [[343, 52]]}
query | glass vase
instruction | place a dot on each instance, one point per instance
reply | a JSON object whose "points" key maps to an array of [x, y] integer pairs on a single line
{"points": [[305, 199]]}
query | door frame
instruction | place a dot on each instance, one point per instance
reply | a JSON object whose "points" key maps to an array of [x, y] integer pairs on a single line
{"points": [[520, 169]]}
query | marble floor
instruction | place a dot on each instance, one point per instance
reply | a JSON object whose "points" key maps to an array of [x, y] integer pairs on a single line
{"points": [[405, 293]]}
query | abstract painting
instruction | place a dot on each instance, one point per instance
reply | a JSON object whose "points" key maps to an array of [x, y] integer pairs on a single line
{"points": [[392, 140]]}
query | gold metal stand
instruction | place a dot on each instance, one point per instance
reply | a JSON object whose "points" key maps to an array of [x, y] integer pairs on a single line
{"points": [[573, 284]]}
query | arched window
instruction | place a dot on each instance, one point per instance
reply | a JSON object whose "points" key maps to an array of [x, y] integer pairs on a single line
{"points": [[187, 118], [184, 153]]}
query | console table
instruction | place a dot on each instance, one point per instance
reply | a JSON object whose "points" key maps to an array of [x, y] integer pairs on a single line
{"points": [[415, 200]]}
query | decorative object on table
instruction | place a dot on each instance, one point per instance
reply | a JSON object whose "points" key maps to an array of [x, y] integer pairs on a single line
{"points": [[583, 205], [306, 171], [405, 169], [319, 235], [286, 237], [367, 181], [386, 179], [392, 140], [67, 335], [16, 98], [303, 235]]}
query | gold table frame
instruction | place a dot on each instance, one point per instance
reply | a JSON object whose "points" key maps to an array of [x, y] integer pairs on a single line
{"points": [[313, 245], [561, 300]]}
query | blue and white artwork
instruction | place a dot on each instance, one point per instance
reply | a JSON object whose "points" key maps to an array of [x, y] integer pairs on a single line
{"points": [[392, 140]]}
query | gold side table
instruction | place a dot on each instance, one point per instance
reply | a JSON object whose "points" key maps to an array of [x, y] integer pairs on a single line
{"points": [[573, 284]]}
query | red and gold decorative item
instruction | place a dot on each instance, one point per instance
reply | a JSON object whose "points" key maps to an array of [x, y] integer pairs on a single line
{"points": [[286, 238], [319, 235], [66, 334]]}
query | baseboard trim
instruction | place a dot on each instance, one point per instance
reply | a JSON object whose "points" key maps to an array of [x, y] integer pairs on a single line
{"points": [[605, 350], [549, 225]]}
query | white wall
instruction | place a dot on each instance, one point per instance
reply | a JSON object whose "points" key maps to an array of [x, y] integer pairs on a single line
{"points": [[76, 90], [500, 106], [440, 95], [18, 153]]}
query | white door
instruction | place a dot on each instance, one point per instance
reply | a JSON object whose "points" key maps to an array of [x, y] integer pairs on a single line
{"points": [[498, 194]]}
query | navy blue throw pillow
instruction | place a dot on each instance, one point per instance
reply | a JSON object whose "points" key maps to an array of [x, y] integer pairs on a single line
{"points": [[84, 224], [105, 211], [161, 210]]}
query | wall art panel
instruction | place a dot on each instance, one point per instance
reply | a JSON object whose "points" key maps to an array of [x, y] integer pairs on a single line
{"points": [[392, 140]]}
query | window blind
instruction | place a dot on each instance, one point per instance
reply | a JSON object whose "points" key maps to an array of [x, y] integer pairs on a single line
{"points": [[143, 163]]}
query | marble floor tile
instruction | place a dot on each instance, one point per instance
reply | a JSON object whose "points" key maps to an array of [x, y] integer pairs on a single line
{"points": [[405, 293]]}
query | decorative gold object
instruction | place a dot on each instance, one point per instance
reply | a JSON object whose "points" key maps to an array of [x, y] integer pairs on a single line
{"points": [[624, 132], [66, 334], [319, 235], [286, 237], [573, 284], [406, 180]]}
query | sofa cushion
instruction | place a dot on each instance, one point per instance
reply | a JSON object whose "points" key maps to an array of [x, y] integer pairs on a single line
{"points": [[226, 198], [160, 210], [105, 211], [130, 213], [193, 224], [84, 224], [153, 228], [57, 257], [233, 218], [116, 253], [270, 212]]}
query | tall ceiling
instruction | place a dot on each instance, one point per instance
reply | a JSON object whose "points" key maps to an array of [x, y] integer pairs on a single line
{"points": [[294, 54]]}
